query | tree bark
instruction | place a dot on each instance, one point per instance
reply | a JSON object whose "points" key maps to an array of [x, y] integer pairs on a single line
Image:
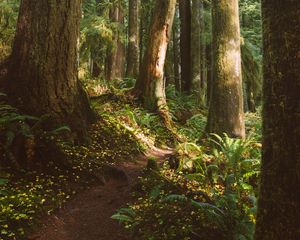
{"points": [[279, 201], [176, 56], [42, 74], [150, 84], [196, 44], [133, 45], [116, 57], [185, 44], [226, 113]]}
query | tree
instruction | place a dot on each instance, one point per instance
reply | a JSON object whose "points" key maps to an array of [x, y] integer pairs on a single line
{"points": [[279, 202], [150, 85], [185, 44], [8, 18], [226, 103], [116, 57], [196, 43], [176, 57], [42, 73], [133, 45]]}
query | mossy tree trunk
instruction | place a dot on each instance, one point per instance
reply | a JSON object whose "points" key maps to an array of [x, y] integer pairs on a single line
{"points": [[150, 85], [133, 44], [42, 74], [226, 113], [279, 202], [185, 44]]}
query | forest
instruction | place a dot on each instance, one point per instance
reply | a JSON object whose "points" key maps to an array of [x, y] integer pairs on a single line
{"points": [[149, 119]]}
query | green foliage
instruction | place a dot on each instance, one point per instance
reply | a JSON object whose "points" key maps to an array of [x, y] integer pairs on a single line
{"points": [[98, 34], [254, 125], [163, 212], [194, 127], [8, 19], [24, 198], [14, 125], [217, 200], [250, 15], [179, 103], [125, 83], [96, 38]]}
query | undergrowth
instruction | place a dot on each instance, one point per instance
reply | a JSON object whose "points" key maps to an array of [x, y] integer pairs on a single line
{"points": [[213, 197], [205, 191], [26, 194]]}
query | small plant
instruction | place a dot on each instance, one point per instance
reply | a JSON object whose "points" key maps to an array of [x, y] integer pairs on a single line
{"points": [[125, 83], [23, 131], [217, 200], [22, 201], [236, 171], [194, 127]]}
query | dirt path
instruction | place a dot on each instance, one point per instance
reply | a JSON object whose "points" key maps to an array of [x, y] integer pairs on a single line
{"points": [[87, 216]]}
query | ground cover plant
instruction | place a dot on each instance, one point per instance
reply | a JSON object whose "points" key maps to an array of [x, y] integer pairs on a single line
{"points": [[149, 120], [210, 193]]}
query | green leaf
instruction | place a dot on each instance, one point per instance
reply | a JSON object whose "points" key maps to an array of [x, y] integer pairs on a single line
{"points": [[246, 186], [122, 218], [128, 211], [155, 192], [3, 181]]}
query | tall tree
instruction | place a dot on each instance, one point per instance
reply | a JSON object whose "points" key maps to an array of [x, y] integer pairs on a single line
{"points": [[116, 56], [279, 201], [196, 43], [226, 105], [185, 44], [150, 84], [176, 57], [133, 45], [42, 75]]}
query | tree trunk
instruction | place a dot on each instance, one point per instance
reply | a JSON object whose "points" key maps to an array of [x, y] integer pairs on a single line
{"points": [[185, 44], [150, 84], [279, 202], [176, 57], [133, 45], [226, 113], [42, 76], [196, 44], [116, 57], [168, 69]]}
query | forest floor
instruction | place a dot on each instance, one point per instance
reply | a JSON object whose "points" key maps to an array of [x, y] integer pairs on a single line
{"points": [[114, 178], [88, 215]]}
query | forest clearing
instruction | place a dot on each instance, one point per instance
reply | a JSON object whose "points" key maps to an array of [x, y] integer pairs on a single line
{"points": [[149, 120]]}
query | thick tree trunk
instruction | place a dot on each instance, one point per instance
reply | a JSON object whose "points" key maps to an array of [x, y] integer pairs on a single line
{"points": [[116, 57], [150, 84], [42, 76], [133, 45], [226, 113], [279, 202], [185, 44]]}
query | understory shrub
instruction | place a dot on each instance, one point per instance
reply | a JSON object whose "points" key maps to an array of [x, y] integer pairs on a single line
{"points": [[213, 197]]}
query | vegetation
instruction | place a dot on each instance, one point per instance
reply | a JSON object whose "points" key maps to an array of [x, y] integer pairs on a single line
{"points": [[179, 124], [212, 193]]}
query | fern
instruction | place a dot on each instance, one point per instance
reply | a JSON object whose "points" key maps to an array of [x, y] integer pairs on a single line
{"points": [[124, 215]]}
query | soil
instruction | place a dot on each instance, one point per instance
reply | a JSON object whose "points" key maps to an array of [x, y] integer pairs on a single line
{"points": [[88, 215]]}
